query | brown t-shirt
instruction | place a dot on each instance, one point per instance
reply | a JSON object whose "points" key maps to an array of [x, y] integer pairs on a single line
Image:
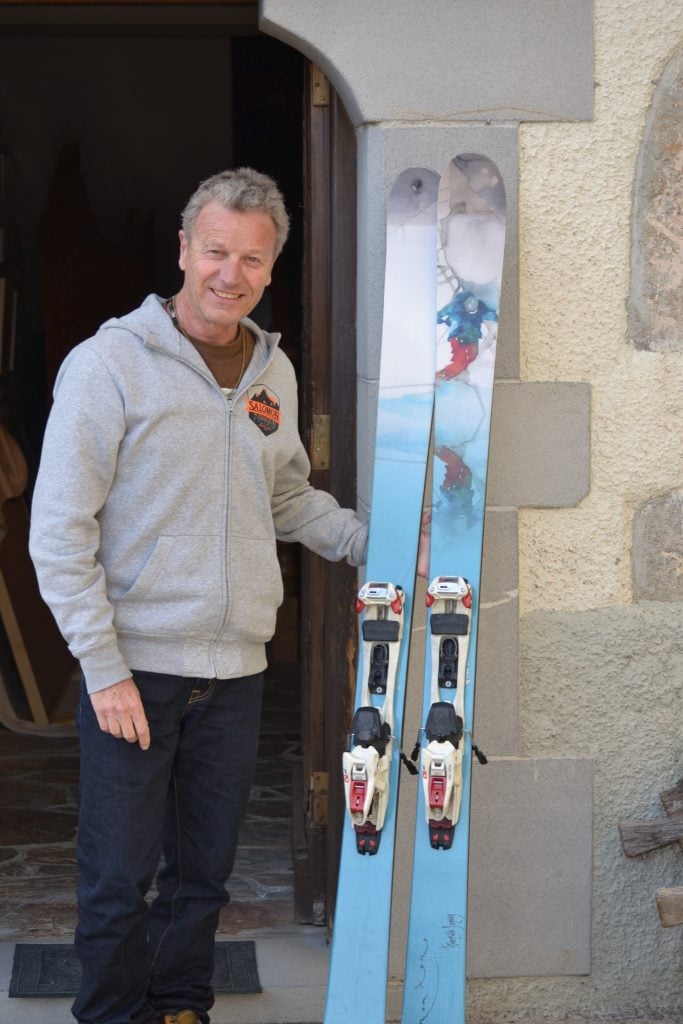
{"points": [[226, 361]]}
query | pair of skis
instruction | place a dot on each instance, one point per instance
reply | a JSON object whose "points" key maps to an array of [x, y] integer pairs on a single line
{"points": [[445, 240]]}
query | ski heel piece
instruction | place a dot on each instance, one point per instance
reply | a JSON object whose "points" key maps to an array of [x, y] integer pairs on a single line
{"points": [[367, 728], [366, 761], [449, 599]]}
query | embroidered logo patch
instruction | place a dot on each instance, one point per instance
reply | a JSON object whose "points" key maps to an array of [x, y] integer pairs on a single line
{"points": [[263, 407]]}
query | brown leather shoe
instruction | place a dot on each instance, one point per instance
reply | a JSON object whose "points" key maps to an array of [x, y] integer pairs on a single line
{"points": [[182, 1017]]}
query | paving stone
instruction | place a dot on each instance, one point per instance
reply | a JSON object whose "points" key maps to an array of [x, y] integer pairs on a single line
{"points": [[23, 827]]}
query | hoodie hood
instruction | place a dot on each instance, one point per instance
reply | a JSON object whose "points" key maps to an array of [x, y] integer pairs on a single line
{"points": [[154, 327]]}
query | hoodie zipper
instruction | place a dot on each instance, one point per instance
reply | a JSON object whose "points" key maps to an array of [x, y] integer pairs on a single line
{"points": [[229, 400], [225, 550]]}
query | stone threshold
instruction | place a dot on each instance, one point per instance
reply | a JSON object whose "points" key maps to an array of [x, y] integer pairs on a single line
{"points": [[293, 964]]}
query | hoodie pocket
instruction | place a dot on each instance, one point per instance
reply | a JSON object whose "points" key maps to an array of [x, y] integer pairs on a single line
{"points": [[179, 591], [256, 589]]}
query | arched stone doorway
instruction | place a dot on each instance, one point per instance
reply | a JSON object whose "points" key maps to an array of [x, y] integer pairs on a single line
{"points": [[98, 165]]}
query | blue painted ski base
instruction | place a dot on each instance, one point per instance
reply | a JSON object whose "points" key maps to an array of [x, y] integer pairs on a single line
{"points": [[471, 229], [443, 266], [360, 936]]}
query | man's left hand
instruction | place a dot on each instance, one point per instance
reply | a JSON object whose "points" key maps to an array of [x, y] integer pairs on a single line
{"points": [[423, 548]]}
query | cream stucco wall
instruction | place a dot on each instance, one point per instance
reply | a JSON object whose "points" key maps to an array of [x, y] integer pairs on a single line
{"points": [[601, 673], [576, 199]]}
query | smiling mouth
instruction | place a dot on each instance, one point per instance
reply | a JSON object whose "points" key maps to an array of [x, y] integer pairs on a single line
{"points": [[226, 295]]}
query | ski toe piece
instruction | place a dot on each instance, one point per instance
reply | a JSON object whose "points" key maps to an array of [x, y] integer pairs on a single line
{"points": [[367, 838], [441, 834]]}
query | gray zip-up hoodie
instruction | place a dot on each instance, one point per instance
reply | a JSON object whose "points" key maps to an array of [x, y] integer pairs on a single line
{"points": [[158, 503]]}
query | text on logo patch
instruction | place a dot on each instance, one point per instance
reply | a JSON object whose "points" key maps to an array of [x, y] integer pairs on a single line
{"points": [[263, 407]]}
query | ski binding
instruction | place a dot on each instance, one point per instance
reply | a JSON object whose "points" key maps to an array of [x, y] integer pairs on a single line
{"points": [[450, 601], [367, 759]]}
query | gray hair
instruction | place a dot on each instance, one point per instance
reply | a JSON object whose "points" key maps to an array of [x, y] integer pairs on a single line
{"points": [[241, 189]]}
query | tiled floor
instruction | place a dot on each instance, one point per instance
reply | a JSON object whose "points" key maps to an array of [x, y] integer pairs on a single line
{"points": [[38, 814]]}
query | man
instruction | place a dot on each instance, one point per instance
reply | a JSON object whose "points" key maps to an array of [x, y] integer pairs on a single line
{"points": [[171, 464]]}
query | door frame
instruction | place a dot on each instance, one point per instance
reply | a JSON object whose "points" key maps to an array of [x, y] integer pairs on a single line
{"points": [[329, 644]]}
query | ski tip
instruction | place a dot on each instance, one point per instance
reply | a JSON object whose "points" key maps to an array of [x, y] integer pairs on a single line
{"points": [[414, 189], [478, 183]]}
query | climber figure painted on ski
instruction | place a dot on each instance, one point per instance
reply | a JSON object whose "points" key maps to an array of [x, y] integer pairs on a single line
{"points": [[465, 315], [471, 226]]}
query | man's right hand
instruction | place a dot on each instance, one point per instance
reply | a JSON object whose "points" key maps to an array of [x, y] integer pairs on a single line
{"points": [[120, 712]]}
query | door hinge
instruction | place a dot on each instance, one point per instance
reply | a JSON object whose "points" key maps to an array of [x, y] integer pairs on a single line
{"points": [[320, 784], [320, 88], [320, 441]]}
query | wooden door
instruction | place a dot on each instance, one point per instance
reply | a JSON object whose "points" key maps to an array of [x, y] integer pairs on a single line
{"points": [[329, 416]]}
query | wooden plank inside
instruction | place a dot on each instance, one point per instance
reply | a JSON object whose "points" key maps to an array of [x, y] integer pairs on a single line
{"points": [[45, 665]]}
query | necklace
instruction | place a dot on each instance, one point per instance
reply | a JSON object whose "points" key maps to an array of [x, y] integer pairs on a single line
{"points": [[241, 336]]}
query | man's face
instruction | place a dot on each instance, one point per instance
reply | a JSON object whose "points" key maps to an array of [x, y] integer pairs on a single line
{"points": [[227, 262]]}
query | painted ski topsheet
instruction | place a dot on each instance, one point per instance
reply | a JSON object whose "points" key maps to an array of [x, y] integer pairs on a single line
{"points": [[360, 936], [471, 238]]}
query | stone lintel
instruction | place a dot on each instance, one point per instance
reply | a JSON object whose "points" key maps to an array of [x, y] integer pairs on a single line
{"points": [[448, 60]]}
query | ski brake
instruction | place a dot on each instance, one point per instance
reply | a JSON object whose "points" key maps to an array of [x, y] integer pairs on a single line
{"points": [[449, 599], [368, 756]]}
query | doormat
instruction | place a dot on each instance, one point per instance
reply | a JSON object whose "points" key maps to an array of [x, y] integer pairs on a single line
{"points": [[51, 969]]}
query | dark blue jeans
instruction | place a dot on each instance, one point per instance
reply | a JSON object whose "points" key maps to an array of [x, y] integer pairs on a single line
{"points": [[188, 792]]}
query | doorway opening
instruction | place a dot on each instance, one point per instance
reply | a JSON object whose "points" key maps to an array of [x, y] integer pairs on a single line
{"points": [[106, 127]]}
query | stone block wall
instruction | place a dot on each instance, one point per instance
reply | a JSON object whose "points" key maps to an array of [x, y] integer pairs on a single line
{"points": [[580, 666]]}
